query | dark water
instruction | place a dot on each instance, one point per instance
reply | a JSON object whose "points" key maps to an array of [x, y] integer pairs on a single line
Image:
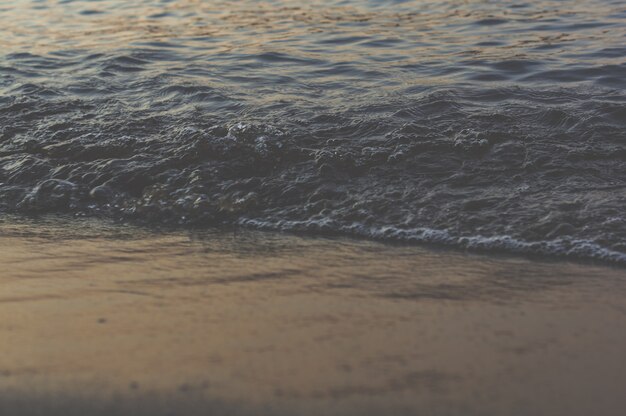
{"points": [[480, 124]]}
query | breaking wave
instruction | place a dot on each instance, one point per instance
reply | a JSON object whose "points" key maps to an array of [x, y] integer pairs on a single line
{"points": [[484, 126]]}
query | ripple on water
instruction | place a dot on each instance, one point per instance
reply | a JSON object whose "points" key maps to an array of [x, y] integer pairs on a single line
{"points": [[480, 125]]}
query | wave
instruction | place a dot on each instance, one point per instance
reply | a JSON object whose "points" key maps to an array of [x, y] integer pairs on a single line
{"points": [[351, 118]]}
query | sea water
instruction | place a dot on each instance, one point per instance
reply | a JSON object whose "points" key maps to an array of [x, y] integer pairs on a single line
{"points": [[495, 125]]}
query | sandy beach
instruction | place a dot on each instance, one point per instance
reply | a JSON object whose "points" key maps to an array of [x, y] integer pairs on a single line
{"points": [[320, 208], [105, 319]]}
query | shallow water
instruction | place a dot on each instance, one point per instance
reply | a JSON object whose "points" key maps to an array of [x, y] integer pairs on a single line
{"points": [[481, 124], [119, 321]]}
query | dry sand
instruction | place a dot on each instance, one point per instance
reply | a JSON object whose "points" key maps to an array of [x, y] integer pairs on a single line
{"points": [[109, 320]]}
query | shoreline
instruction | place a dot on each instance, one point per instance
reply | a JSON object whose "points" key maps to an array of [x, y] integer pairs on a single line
{"points": [[106, 223]]}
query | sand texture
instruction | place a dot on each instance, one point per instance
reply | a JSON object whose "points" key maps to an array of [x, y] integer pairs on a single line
{"points": [[109, 320]]}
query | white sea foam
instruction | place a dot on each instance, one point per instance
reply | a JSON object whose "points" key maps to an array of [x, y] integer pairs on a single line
{"points": [[562, 247]]}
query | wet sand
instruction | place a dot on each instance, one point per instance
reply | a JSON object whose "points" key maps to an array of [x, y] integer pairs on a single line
{"points": [[99, 319]]}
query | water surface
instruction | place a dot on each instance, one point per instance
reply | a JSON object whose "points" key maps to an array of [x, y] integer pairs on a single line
{"points": [[480, 124]]}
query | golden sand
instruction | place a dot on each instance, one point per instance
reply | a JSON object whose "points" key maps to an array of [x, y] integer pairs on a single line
{"points": [[111, 320]]}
